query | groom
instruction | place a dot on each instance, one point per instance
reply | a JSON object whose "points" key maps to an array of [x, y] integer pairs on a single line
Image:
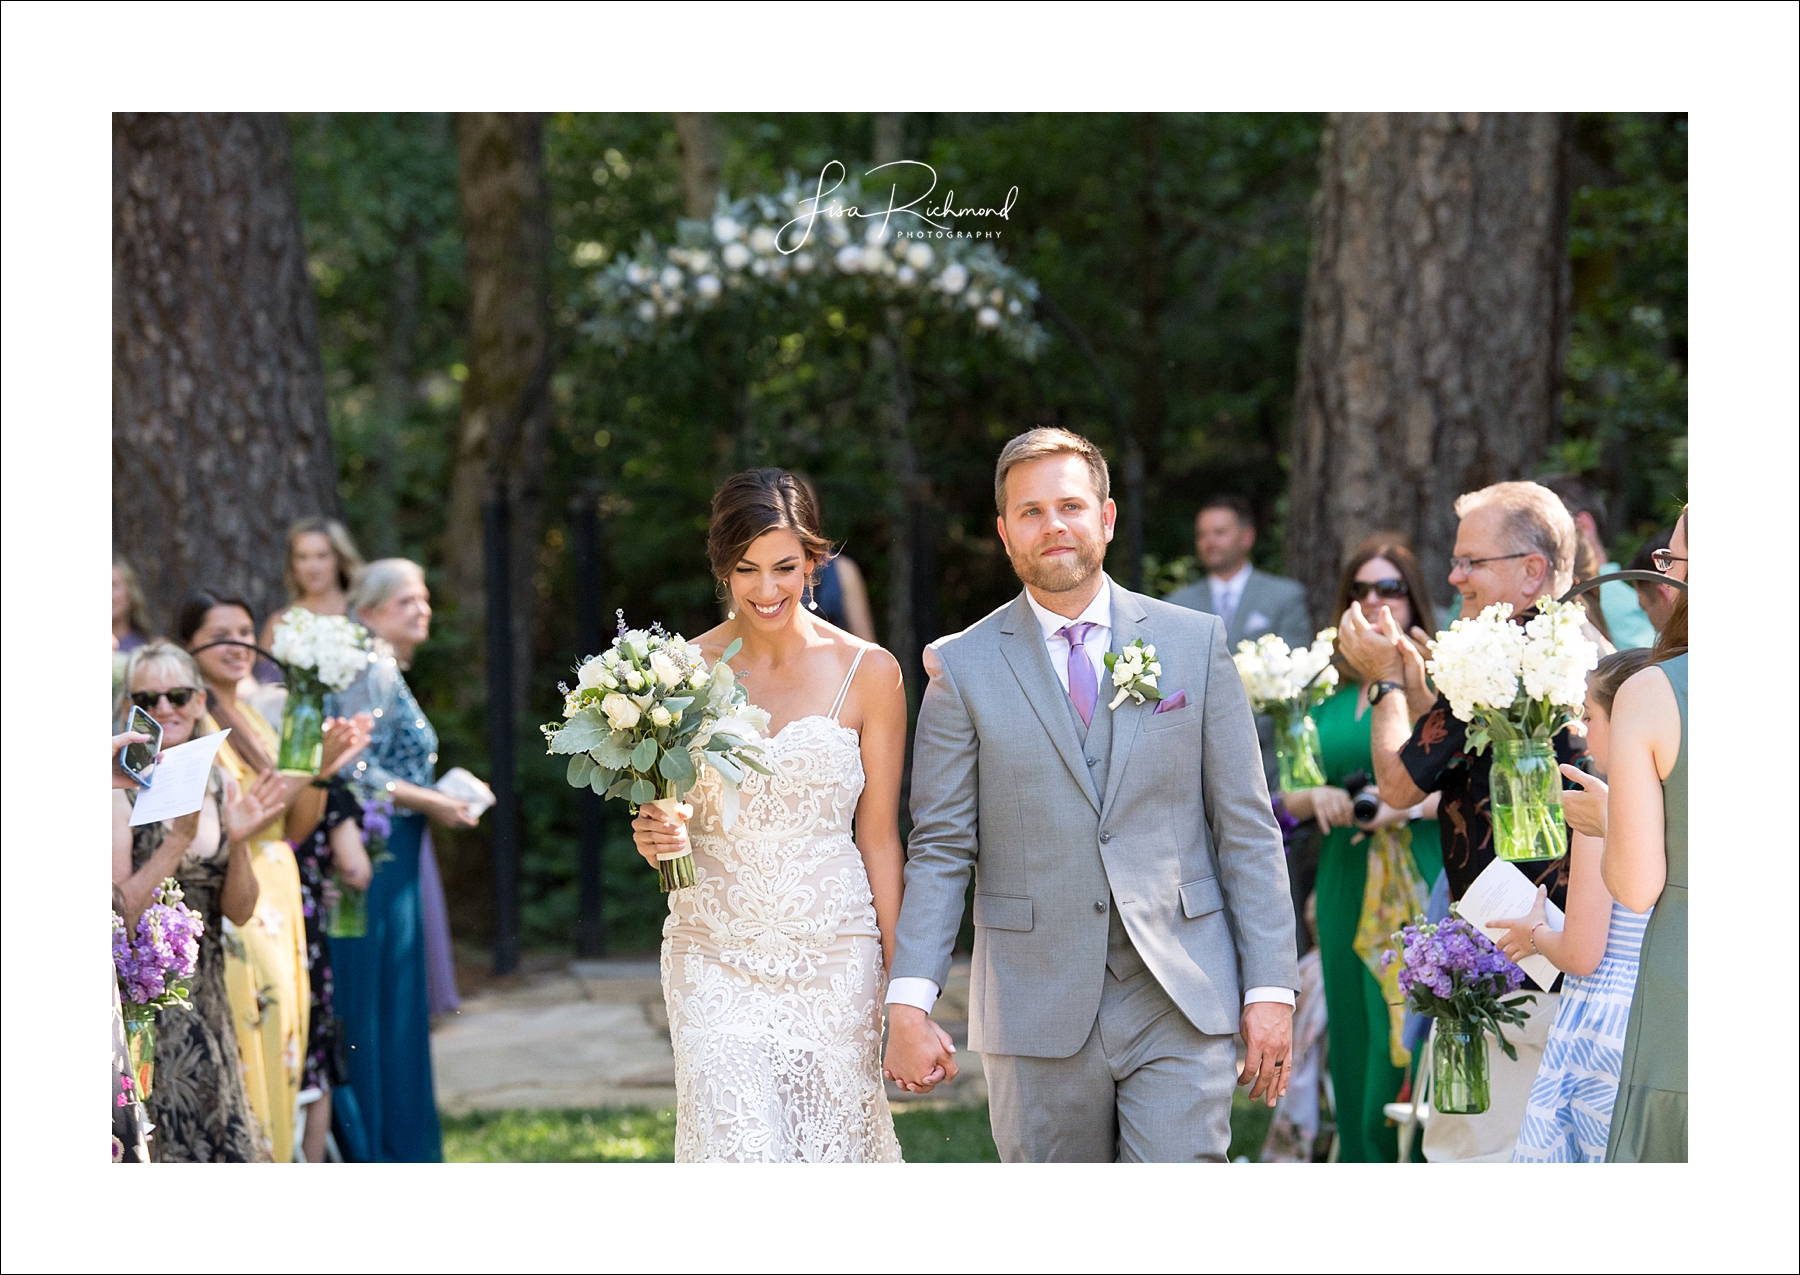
{"points": [[1130, 882]]}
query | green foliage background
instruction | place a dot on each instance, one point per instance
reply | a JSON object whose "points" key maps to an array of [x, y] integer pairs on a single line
{"points": [[1201, 220]]}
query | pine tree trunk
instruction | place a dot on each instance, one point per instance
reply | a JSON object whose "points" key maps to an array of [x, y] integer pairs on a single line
{"points": [[220, 437], [1436, 321], [698, 133], [505, 404]]}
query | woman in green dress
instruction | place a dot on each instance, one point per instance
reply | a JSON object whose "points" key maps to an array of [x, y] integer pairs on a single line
{"points": [[1375, 875], [1645, 865]]}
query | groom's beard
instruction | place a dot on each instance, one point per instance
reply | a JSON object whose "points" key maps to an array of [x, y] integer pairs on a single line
{"points": [[1062, 573]]}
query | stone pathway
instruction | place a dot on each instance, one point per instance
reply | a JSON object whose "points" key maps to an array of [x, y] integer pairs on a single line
{"points": [[595, 1034]]}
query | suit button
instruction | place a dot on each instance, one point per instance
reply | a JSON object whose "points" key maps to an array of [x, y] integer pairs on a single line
{"points": [[1099, 905], [1093, 761], [1105, 837]]}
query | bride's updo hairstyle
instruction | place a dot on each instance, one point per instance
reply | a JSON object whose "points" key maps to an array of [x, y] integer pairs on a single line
{"points": [[749, 505]]}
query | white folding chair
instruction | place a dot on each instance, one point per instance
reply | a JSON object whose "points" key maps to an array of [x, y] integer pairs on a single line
{"points": [[1413, 1115]]}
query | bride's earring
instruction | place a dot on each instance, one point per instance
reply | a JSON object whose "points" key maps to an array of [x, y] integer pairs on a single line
{"points": [[812, 603], [731, 615]]}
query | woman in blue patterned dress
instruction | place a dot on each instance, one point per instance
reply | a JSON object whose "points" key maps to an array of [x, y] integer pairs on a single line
{"points": [[380, 978], [1577, 1085]]}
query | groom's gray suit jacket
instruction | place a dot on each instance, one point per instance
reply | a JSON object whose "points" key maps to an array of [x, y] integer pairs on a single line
{"points": [[1179, 836]]}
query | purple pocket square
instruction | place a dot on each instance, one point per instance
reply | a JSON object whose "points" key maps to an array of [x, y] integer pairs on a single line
{"points": [[1175, 701]]}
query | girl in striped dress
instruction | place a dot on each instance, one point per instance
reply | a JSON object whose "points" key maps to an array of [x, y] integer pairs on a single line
{"points": [[1571, 1106]]}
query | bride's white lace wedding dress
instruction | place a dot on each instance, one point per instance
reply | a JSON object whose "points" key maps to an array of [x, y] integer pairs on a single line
{"points": [[771, 964]]}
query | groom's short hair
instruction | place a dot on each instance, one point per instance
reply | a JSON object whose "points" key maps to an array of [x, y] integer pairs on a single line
{"points": [[1046, 440]]}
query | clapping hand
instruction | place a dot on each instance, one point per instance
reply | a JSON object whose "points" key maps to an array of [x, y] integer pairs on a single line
{"points": [[344, 738], [1368, 648], [1584, 810], [245, 812]]}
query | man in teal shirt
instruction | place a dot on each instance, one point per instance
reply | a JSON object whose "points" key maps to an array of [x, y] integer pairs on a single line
{"points": [[1626, 620]]}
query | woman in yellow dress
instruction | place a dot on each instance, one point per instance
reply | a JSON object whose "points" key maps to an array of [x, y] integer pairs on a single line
{"points": [[266, 966]]}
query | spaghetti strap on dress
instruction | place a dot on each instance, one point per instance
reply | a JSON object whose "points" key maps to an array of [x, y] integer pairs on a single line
{"points": [[837, 705]]}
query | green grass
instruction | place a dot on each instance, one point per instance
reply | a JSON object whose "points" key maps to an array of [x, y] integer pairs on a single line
{"points": [[640, 1135]]}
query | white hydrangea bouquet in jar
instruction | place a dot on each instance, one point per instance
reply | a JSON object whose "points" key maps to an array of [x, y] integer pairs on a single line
{"points": [[317, 653], [1516, 686], [1287, 684], [645, 714]]}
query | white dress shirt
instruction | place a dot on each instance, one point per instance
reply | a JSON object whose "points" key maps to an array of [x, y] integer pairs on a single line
{"points": [[923, 992], [1228, 592]]}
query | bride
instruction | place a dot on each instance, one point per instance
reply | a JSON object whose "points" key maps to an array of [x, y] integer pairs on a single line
{"points": [[773, 963]]}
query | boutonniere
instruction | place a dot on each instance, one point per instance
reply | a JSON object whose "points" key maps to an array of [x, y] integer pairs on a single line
{"points": [[1134, 672]]}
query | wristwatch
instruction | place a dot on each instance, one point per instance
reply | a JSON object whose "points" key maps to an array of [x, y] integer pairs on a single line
{"points": [[1378, 689]]}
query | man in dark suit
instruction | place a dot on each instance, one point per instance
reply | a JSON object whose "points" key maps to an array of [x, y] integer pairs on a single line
{"points": [[1251, 602]]}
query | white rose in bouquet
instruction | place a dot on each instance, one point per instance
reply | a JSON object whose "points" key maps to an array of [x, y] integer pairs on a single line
{"points": [[621, 713], [667, 671]]}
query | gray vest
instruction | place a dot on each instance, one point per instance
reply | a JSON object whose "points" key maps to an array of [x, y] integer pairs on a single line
{"points": [[1096, 749]]}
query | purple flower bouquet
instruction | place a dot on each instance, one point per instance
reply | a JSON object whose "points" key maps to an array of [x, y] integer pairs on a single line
{"points": [[1453, 973], [1452, 970], [153, 970]]}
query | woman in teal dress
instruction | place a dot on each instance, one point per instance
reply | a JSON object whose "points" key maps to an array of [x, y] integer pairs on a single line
{"points": [[1374, 876], [1645, 866], [390, 1105]]}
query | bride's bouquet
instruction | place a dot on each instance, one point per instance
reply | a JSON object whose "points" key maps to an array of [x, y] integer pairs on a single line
{"points": [[317, 653], [645, 714], [1288, 684], [1516, 687]]}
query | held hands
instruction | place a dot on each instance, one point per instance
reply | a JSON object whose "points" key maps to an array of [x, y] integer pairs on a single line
{"points": [[656, 832], [920, 1054], [1268, 1028], [1585, 810], [1518, 942], [245, 812]]}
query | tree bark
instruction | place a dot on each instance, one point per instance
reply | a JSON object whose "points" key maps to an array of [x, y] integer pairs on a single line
{"points": [[700, 162], [504, 431], [908, 506], [220, 437], [1435, 327]]}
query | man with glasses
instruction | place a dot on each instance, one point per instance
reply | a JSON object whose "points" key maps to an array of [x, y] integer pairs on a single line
{"points": [[1515, 543]]}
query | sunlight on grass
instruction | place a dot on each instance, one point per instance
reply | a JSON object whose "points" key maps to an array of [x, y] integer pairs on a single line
{"points": [[642, 1136]]}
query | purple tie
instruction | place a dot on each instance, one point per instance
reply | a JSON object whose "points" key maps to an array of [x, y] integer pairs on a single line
{"points": [[1084, 686]]}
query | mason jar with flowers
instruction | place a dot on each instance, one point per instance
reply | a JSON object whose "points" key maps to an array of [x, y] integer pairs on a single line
{"points": [[1516, 687], [1287, 684]]}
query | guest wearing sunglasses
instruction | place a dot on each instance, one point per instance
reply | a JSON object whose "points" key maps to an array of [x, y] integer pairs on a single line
{"points": [[1515, 543], [270, 984], [1397, 850], [198, 1103]]}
